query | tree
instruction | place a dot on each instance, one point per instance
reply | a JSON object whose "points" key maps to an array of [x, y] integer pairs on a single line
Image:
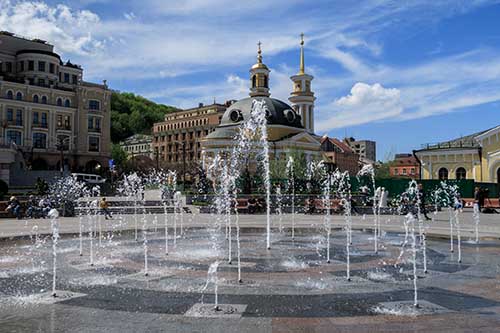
{"points": [[132, 114], [118, 155]]}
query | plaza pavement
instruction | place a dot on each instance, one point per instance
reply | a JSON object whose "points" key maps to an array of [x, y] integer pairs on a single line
{"points": [[489, 227]]}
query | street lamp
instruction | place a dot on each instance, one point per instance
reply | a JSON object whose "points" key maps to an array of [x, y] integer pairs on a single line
{"points": [[61, 145]]}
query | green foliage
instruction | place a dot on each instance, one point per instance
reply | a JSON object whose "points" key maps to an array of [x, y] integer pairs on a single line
{"points": [[382, 171], [132, 114], [42, 187], [118, 155]]}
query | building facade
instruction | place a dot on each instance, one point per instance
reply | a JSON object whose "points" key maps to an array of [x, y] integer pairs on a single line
{"points": [[340, 155], [176, 141], [138, 145], [48, 112], [405, 166], [366, 149], [476, 156]]}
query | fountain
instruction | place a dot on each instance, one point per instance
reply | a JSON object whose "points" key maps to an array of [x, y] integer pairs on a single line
{"points": [[369, 171]]}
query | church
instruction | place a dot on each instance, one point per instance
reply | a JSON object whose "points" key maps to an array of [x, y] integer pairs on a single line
{"points": [[290, 127]]}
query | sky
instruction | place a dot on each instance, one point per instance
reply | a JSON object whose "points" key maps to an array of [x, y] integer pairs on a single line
{"points": [[401, 73]]}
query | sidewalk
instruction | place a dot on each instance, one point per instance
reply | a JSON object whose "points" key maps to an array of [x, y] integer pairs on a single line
{"points": [[489, 226]]}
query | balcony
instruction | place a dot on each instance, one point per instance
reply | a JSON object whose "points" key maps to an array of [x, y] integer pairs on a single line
{"points": [[94, 130], [63, 128]]}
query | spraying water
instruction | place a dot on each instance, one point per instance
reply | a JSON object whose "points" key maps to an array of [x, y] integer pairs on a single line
{"points": [[369, 171], [327, 217], [291, 188], [54, 214], [477, 219]]}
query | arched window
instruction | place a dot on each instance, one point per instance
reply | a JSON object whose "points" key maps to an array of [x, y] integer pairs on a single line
{"points": [[461, 173], [19, 96], [35, 99], [443, 174], [254, 81], [59, 101], [10, 94], [266, 82], [67, 103], [44, 99]]}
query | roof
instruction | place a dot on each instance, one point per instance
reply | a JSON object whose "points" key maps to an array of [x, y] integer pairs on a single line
{"points": [[463, 142], [280, 113], [341, 145]]}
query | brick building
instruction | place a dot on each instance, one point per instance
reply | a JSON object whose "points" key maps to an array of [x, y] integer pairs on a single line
{"points": [[176, 141], [405, 166], [340, 155]]}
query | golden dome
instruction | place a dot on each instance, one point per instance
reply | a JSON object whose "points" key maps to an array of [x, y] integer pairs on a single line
{"points": [[259, 64]]}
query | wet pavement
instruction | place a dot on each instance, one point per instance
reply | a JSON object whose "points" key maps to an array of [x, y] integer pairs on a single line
{"points": [[289, 288]]}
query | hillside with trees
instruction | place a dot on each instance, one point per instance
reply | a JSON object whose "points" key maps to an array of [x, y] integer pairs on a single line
{"points": [[132, 114]]}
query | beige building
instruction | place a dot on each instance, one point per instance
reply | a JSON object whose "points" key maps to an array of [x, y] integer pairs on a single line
{"points": [[476, 156], [138, 145], [176, 141], [46, 107]]}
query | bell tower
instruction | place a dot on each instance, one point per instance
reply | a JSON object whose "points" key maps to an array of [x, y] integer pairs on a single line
{"points": [[259, 77], [302, 98]]}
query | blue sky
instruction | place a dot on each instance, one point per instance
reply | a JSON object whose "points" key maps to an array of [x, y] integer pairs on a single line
{"points": [[402, 73]]}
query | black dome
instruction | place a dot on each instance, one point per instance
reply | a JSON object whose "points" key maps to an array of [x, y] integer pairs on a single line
{"points": [[280, 113]]}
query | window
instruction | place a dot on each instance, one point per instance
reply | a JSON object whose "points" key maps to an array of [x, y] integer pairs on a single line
{"points": [[35, 118], [10, 94], [31, 65], [59, 121], [44, 120], [39, 140], [19, 117], [74, 79], [443, 174], [66, 77], [404, 171], [97, 123], [10, 115], [396, 171], [19, 96], [59, 102], [67, 122], [412, 171], [14, 136], [67, 103], [8, 67], [35, 99], [52, 68], [21, 66], [93, 143], [41, 66], [94, 105], [44, 99], [460, 173], [90, 123]]}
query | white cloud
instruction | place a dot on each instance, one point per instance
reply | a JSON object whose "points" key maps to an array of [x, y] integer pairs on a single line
{"points": [[365, 103], [69, 30]]}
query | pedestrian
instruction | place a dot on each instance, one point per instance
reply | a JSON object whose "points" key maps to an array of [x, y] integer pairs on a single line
{"points": [[478, 199], [103, 204], [15, 207], [421, 201]]}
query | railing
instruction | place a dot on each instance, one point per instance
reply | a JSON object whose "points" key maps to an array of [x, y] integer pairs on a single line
{"points": [[95, 130], [455, 144]]}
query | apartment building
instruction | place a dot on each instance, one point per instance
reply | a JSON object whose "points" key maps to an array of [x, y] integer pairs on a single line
{"points": [[48, 112]]}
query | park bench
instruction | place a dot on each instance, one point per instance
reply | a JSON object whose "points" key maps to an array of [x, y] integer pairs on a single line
{"points": [[488, 203], [321, 207]]}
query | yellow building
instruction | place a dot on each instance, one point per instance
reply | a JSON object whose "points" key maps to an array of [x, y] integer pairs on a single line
{"points": [[476, 156], [290, 128]]}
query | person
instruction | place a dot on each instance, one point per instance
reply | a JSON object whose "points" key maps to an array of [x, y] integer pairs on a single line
{"points": [[44, 205], [478, 200], [252, 205], [104, 208], [15, 207], [421, 198], [32, 204], [458, 203]]}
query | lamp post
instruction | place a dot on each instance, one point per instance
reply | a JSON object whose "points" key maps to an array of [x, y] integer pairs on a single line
{"points": [[60, 145]]}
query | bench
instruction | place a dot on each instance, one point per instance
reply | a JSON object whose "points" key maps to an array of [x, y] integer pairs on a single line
{"points": [[320, 206], [488, 203]]}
